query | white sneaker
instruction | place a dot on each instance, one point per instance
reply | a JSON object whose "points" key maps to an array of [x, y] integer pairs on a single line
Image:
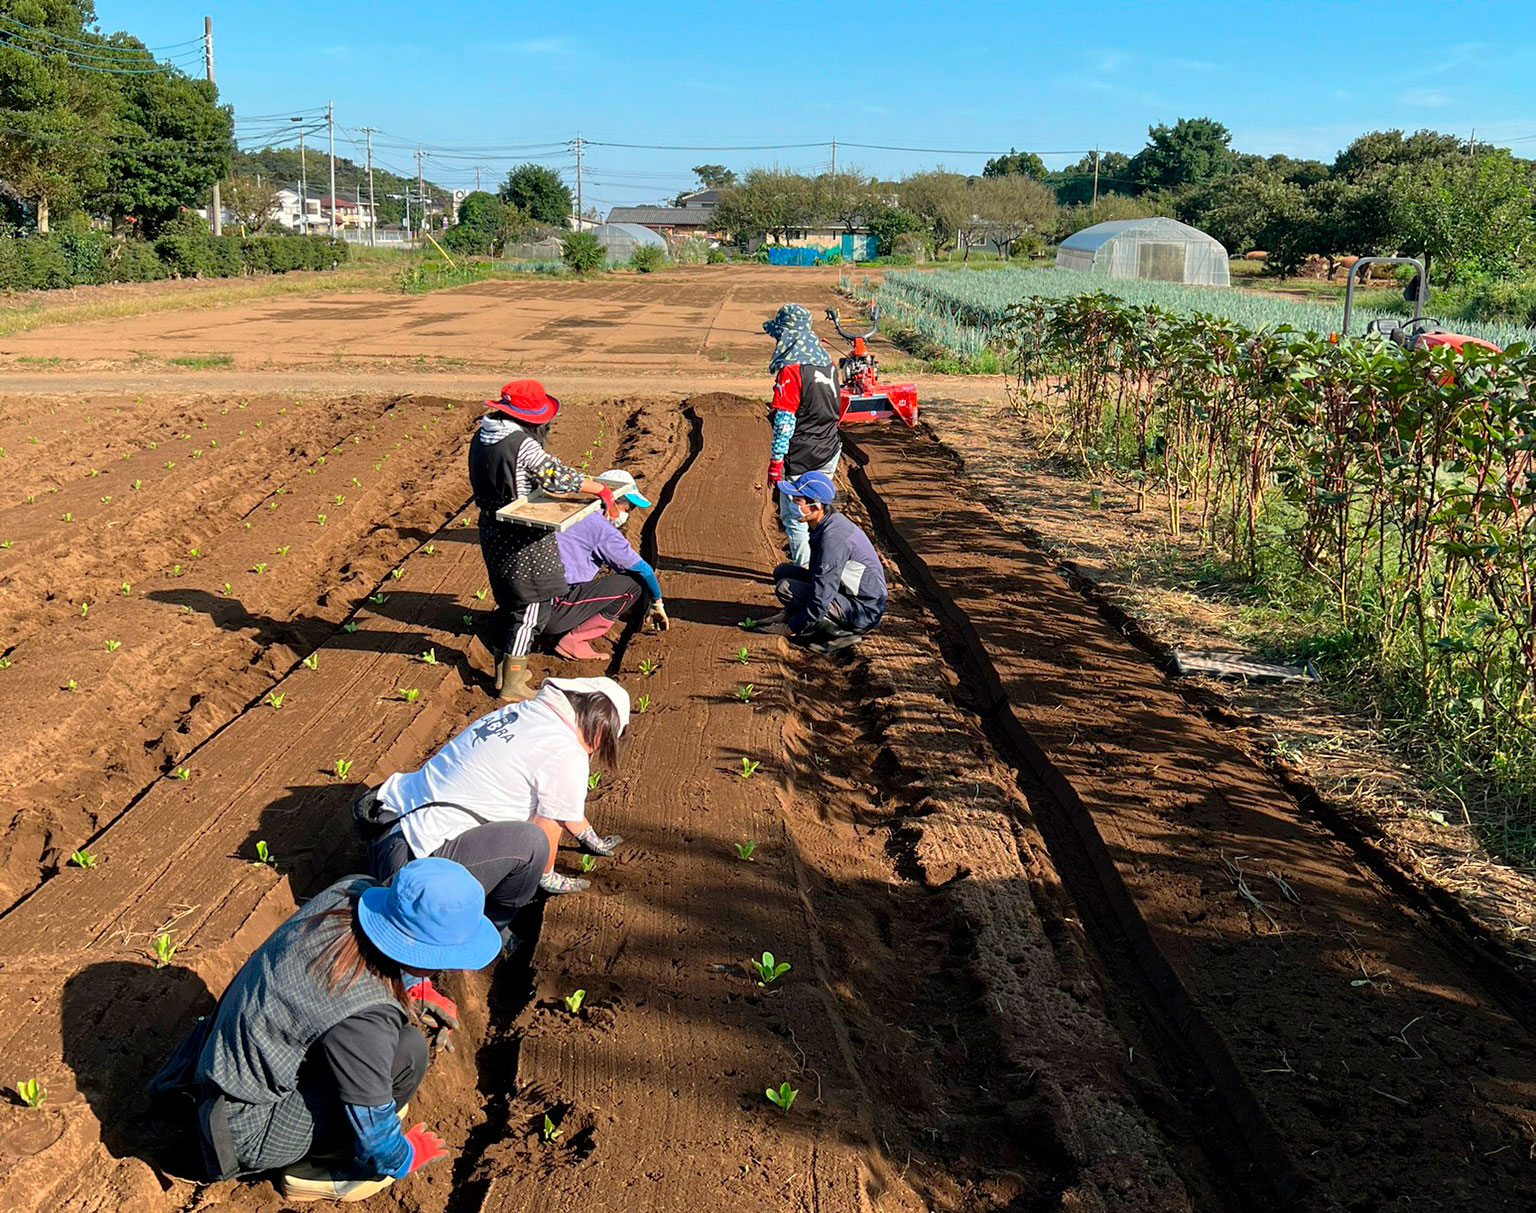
{"points": [[304, 1181]]}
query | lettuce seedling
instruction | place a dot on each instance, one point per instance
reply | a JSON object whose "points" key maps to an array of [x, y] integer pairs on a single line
{"points": [[396, 574], [31, 1092], [264, 856], [767, 970], [126, 587], [114, 645], [164, 950], [312, 662], [343, 767], [749, 768], [744, 692], [593, 780], [283, 551], [71, 685], [378, 599], [747, 624], [643, 704], [430, 549], [85, 609], [480, 595], [649, 667], [783, 1098], [742, 656], [409, 696], [573, 1001], [320, 518], [82, 859], [259, 569], [349, 627], [182, 773], [549, 1133], [429, 657], [588, 862], [744, 849], [275, 698]]}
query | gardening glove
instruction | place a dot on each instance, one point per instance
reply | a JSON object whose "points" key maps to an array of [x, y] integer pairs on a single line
{"points": [[554, 882], [657, 616], [426, 1146], [438, 1013], [610, 506], [598, 846], [775, 472]]}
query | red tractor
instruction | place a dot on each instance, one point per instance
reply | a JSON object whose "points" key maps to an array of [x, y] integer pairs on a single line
{"points": [[1421, 332], [860, 394]]}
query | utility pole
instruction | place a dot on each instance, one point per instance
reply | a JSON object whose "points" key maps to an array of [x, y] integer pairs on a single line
{"points": [[216, 209], [1095, 176], [578, 182], [1471, 145], [834, 157], [373, 211], [330, 123], [421, 191], [477, 178], [303, 182]]}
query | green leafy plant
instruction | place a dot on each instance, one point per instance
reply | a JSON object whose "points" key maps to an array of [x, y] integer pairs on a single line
{"points": [[742, 655], [275, 698], [114, 645], [320, 518], [783, 1097], [349, 627], [469, 621], [643, 704], [31, 1092], [593, 780], [340, 500], [71, 685], [126, 587], [768, 971], [228, 589], [283, 551], [343, 767], [264, 856], [744, 850], [649, 667], [182, 773], [135, 486], [480, 595], [378, 599], [588, 862], [549, 1133], [430, 549], [164, 950], [429, 657], [396, 574], [411, 695], [85, 609], [744, 692], [749, 768], [259, 568], [5, 663], [573, 1001], [8, 544], [312, 662], [747, 624], [82, 859]]}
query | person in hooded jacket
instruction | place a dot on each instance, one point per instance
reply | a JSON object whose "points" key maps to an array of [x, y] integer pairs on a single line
{"points": [[507, 460], [803, 414]]}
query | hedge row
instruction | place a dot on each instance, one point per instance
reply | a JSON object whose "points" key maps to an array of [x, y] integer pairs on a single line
{"points": [[87, 257]]}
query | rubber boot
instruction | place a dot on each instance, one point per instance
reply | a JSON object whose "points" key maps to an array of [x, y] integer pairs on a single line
{"points": [[576, 645], [496, 658], [512, 679]]}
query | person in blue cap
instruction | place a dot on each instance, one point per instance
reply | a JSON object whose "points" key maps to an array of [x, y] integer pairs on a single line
{"points": [[315, 1048], [841, 597], [596, 600]]}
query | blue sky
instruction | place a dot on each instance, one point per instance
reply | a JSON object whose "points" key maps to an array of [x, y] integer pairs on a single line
{"points": [[496, 84]]}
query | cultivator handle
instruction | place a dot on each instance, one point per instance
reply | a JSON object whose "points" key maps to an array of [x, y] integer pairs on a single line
{"points": [[874, 324]]}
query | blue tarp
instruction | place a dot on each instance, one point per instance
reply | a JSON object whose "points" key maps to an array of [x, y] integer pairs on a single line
{"points": [[778, 255]]}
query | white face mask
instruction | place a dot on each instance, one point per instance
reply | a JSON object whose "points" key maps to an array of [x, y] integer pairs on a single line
{"points": [[621, 519]]}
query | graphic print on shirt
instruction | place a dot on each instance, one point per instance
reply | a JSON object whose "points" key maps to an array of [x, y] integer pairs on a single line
{"points": [[498, 725]]}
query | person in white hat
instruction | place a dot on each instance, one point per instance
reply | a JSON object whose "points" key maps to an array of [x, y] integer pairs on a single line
{"points": [[596, 600], [497, 797]]}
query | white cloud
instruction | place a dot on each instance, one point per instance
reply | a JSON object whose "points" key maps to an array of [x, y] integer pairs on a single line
{"points": [[1432, 98]]}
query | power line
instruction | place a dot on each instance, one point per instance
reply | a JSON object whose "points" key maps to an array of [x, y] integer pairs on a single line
{"points": [[44, 34]]}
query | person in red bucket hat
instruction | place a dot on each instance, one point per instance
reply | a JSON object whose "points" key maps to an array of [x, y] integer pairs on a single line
{"points": [[507, 460]]}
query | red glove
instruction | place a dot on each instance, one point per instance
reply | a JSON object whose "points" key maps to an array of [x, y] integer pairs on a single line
{"points": [[426, 1146], [775, 471], [438, 1012], [610, 506]]}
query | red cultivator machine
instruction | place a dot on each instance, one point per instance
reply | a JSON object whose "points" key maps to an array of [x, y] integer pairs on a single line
{"points": [[860, 394]]}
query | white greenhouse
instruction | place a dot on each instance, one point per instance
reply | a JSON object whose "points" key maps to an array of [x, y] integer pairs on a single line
{"points": [[1163, 250]]}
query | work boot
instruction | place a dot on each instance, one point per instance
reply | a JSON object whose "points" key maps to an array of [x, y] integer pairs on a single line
{"points": [[576, 645], [512, 679]]}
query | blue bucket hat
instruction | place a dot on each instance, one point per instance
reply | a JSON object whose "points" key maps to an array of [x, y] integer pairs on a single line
{"points": [[817, 486], [431, 916]]}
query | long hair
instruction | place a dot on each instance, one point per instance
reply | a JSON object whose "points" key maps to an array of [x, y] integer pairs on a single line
{"points": [[597, 723], [346, 957]]}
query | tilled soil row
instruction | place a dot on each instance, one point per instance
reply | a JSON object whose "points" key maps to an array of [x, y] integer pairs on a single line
{"points": [[1333, 1048], [174, 598]]}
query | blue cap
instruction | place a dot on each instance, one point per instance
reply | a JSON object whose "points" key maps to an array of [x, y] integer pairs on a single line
{"points": [[817, 486], [431, 916]]}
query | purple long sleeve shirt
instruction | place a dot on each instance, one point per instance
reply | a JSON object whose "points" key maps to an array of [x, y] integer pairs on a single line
{"points": [[593, 542]]}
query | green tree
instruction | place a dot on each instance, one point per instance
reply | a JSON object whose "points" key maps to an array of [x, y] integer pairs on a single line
{"points": [[886, 223], [486, 225], [539, 193], [846, 198], [1015, 163], [250, 200], [1018, 210], [943, 200], [1070, 219], [1376, 152], [714, 176], [1190, 152], [1473, 214], [767, 202], [581, 252], [1074, 184]]}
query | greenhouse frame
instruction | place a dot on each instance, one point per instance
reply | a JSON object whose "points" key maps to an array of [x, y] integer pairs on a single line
{"points": [[1159, 249]]}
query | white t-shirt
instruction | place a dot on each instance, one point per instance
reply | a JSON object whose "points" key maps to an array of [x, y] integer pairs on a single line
{"points": [[518, 761]]}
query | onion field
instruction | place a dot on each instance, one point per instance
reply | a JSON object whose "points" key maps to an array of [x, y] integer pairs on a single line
{"points": [[965, 310]]}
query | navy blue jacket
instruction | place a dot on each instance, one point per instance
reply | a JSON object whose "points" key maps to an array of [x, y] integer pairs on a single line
{"points": [[843, 561]]}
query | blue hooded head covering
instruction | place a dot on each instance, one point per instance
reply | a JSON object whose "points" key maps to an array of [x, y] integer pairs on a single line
{"points": [[797, 342]]}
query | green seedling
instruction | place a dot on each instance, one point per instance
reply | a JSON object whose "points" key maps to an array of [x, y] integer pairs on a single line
{"points": [[411, 695], [430, 549], [264, 856], [197, 454], [32, 499], [429, 657], [649, 667], [356, 483], [783, 1098], [378, 599], [749, 768], [463, 522], [480, 595], [136, 485], [396, 574], [573, 1001], [175, 570], [85, 610], [182, 773], [69, 517], [94, 472], [126, 587], [169, 465], [469, 621], [275, 698], [114, 645], [71, 685], [164, 950], [742, 655], [320, 518], [549, 1132], [744, 692], [247, 526], [349, 627], [5, 663], [312, 662], [343, 767], [258, 569], [153, 445], [588, 862], [340, 500], [82, 859], [283, 551], [767, 970], [593, 780], [228, 589], [8, 544], [643, 704], [747, 624], [31, 1092], [744, 850]]}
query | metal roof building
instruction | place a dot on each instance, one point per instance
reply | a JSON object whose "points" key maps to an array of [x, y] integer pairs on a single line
{"points": [[1164, 250]]}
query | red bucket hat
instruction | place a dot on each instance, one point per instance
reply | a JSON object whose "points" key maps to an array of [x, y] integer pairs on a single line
{"points": [[526, 400]]}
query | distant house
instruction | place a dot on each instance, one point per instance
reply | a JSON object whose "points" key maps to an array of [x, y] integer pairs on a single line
{"points": [[695, 216], [317, 211]]}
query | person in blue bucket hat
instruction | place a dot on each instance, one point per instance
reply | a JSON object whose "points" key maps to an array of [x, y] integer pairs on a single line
{"points": [[841, 597], [307, 1063]]}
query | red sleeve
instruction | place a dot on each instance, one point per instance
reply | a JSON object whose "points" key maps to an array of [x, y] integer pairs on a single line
{"points": [[786, 390]]}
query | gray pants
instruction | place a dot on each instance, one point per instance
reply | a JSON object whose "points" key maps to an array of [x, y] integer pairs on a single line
{"points": [[796, 533], [506, 857]]}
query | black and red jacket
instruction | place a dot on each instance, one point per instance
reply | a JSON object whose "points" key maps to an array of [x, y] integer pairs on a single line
{"points": [[808, 392]]}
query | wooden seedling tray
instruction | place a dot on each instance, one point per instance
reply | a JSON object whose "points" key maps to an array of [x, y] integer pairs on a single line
{"points": [[539, 509]]}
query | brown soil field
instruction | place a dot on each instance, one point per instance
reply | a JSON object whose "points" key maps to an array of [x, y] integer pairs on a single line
{"points": [[1056, 941]]}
